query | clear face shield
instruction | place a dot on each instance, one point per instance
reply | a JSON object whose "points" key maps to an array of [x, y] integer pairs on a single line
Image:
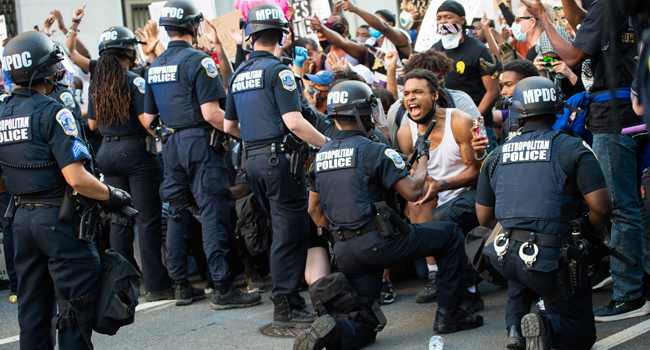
{"points": [[378, 115], [140, 54]]}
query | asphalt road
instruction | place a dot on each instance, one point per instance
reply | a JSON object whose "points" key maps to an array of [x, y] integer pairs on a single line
{"points": [[409, 325]]}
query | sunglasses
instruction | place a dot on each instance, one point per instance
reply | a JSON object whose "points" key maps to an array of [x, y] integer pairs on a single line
{"points": [[517, 19]]}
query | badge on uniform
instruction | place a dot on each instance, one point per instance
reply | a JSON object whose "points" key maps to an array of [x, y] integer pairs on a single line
{"points": [[139, 82], [67, 99], [210, 67], [78, 148], [288, 81], [67, 122], [526, 151], [395, 157]]}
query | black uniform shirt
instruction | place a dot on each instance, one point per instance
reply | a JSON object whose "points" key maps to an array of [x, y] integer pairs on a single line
{"points": [[380, 167], [136, 108], [62, 95], [577, 160]]}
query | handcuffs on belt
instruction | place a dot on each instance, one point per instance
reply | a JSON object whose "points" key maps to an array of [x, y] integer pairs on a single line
{"points": [[502, 249]]}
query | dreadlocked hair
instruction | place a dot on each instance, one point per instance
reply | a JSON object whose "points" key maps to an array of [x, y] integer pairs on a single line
{"points": [[420, 5], [109, 89], [430, 60]]}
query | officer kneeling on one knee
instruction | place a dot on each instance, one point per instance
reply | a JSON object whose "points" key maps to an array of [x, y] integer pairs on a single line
{"points": [[354, 180], [536, 213], [42, 152]]}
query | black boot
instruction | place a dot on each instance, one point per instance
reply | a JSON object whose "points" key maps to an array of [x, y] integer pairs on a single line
{"points": [[515, 341], [288, 315], [322, 333], [538, 332], [454, 319]]}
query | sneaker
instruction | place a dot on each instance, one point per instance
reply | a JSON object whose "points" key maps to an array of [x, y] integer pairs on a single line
{"points": [[430, 292], [288, 315], [166, 294], [602, 277], [537, 331], [454, 319], [254, 283], [621, 310], [387, 295], [474, 303], [186, 295], [323, 332], [234, 299]]}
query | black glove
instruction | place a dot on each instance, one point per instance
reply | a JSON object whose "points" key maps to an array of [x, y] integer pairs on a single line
{"points": [[490, 67], [421, 147], [118, 198]]}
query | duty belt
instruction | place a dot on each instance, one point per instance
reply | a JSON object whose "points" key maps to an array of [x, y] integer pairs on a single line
{"points": [[118, 138], [345, 234], [39, 201], [531, 241], [537, 238], [272, 148]]}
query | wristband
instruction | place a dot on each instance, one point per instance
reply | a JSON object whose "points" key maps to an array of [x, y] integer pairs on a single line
{"points": [[72, 33], [484, 155], [76, 20], [444, 185]]}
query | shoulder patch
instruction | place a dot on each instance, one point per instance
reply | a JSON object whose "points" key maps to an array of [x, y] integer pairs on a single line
{"points": [[67, 122], [3, 97], [78, 148], [395, 157], [592, 151], [210, 67], [139, 82], [67, 99], [288, 81]]}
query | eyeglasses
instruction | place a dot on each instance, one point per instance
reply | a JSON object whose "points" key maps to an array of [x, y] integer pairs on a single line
{"points": [[517, 19]]}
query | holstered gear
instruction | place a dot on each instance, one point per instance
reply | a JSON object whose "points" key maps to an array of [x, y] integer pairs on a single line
{"points": [[187, 203], [69, 205], [77, 318], [334, 295], [298, 151], [155, 143], [121, 220], [217, 138], [385, 218], [11, 210]]}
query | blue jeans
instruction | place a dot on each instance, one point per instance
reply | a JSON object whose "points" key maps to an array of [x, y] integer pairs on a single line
{"points": [[618, 157]]}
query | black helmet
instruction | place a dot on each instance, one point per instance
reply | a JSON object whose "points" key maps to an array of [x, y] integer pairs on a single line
{"points": [[264, 17], [535, 96], [350, 100], [118, 38], [32, 56], [181, 14]]}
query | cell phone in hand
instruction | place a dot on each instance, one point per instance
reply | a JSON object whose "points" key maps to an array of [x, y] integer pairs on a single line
{"points": [[480, 123]]}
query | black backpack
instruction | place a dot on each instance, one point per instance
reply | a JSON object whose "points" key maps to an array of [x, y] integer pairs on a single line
{"points": [[253, 225]]}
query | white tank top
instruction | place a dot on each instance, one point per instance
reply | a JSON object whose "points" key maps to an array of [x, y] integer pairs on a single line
{"points": [[445, 161]]}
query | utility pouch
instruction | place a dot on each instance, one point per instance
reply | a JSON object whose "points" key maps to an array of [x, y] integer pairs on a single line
{"points": [[154, 143], [216, 141], [150, 145], [69, 205], [382, 219], [324, 233], [11, 210], [90, 217], [296, 149]]}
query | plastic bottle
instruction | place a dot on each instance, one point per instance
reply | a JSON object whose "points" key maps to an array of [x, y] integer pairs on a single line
{"points": [[436, 343]]}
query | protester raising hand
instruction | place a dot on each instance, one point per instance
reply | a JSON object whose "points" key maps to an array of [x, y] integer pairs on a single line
{"points": [[47, 26], [391, 73], [236, 36], [335, 63]]}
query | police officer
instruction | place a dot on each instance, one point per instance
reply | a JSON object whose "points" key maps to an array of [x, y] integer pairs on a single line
{"points": [[535, 213], [355, 180], [116, 108], [42, 152], [183, 85], [264, 105]]}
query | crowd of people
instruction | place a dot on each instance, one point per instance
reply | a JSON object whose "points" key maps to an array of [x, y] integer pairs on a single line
{"points": [[299, 158]]}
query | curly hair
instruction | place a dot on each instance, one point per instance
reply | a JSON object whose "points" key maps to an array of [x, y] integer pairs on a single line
{"points": [[523, 68], [109, 89], [431, 60], [420, 5]]}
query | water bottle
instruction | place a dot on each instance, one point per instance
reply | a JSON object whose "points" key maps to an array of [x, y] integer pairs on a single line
{"points": [[436, 343]]}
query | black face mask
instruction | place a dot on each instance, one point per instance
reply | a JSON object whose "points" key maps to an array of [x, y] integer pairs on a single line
{"points": [[427, 118], [442, 84], [324, 44]]}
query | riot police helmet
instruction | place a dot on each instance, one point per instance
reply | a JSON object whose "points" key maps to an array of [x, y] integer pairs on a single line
{"points": [[181, 14], [265, 17], [352, 101], [120, 38], [535, 96], [32, 57]]}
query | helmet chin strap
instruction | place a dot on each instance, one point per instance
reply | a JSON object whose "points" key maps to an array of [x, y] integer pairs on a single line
{"points": [[427, 118]]}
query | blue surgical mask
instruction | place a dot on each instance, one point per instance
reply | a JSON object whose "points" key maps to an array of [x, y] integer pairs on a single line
{"points": [[517, 33], [374, 33]]}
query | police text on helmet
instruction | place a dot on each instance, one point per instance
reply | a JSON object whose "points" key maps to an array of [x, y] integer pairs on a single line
{"points": [[17, 61], [337, 97], [172, 12], [112, 35], [533, 95], [265, 14]]}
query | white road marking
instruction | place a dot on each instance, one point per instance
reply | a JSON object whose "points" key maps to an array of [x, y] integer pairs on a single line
{"points": [[622, 336], [140, 307]]}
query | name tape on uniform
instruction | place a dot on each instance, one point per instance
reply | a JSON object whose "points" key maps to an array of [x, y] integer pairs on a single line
{"points": [[14, 130], [526, 151], [163, 74], [248, 81], [335, 159]]}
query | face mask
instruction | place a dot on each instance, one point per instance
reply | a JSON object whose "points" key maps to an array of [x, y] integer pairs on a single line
{"points": [[517, 33], [374, 33], [451, 35], [337, 27], [312, 90], [406, 20], [360, 39], [324, 44]]}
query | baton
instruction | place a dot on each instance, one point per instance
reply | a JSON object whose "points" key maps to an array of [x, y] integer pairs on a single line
{"points": [[128, 211], [618, 255], [426, 136]]}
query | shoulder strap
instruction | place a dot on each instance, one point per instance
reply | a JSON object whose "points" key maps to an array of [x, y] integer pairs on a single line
{"points": [[399, 116], [451, 99]]}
